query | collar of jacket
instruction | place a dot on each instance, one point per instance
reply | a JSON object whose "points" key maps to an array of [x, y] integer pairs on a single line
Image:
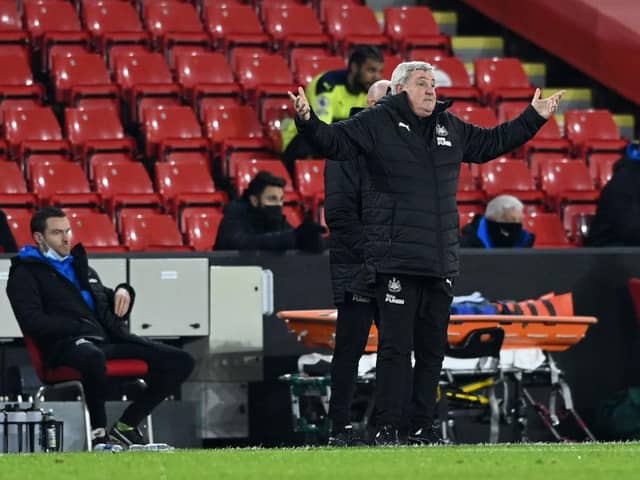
{"points": [[80, 263]]}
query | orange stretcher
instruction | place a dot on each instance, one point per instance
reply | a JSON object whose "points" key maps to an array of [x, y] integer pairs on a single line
{"points": [[316, 328]]}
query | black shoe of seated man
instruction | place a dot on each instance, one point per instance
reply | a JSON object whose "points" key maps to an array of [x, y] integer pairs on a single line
{"points": [[346, 437], [309, 237], [127, 437], [427, 436], [387, 436]]}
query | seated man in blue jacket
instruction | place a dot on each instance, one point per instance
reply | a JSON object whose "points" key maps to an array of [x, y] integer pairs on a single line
{"points": [[499, 227], [75, 321]]}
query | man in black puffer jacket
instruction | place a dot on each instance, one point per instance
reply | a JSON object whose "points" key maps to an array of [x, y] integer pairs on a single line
{"points": [[344, 182], [77, 322], [413, 149]]}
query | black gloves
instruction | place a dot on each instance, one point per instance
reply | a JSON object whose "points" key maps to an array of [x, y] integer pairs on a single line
{"points": [[309, 237]]}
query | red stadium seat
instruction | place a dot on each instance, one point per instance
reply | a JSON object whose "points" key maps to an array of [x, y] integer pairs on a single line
{"points": [[537, 159], [246, 170], [13, 191], [234, 25], [355, 25], [34, 129], [234, 126], [82, 76], [201, 228], [309, 178], [145, 75], [573, 217], [391, 61], [567, 181], [480, 116], [592, 131], [307, 68], [601, 167], [16, 80], [151, 232], [502, 79], [124, 184], [468, 192], [205, 75], [187, 184], [102, 18], [96, 131], [548, 230], [53, 23], [95, 231], [105, 159], [414, 27], [19, 220], [238, 157], [264, 75], [170, 126], [452, 78], [294, 26], [10, 20], [511, 177], [61, 183]]}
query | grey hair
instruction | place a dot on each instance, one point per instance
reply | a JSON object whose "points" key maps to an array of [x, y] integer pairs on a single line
{"points": [[497, 206], [400, 75]]}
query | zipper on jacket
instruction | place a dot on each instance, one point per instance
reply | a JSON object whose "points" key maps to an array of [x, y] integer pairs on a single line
{"points": [[437, 199]]}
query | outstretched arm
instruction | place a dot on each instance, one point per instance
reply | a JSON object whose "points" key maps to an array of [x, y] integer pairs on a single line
{"points": [[340, 141], [484, 144]]}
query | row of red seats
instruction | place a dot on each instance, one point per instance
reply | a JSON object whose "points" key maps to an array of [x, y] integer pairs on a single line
{"points": [[281, 24], [149, 230]]}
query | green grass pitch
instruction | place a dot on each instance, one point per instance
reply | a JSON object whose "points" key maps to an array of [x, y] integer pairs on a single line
{"points": [[618, 461]]}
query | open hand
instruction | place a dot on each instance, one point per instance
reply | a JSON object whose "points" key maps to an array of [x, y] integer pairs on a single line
{"points": [[122, 301], [548, 106], [301, 104]]}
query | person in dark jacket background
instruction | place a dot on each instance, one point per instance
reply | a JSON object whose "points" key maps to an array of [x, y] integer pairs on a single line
{"points": [[499, 227], [413, 148], [7, 240], [343, 214], [60, 303], [617, 220], [256, 222]]}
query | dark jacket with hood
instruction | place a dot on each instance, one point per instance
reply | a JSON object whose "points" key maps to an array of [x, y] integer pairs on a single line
{"points": [[410, 215], [617, 220], [7, 241], [53, 310], [344, 181], [244, 227], [477, 234]]}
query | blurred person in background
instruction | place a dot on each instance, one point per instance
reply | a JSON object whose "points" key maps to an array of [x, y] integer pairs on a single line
{"points": [[617, 220], [332, 95], [256, 221], [344, 182], [499, 227]]}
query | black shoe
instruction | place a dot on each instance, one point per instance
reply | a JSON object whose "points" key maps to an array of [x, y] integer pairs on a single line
{"points": [[427, 436], [387, 436], [346, 437], [127, 437]]}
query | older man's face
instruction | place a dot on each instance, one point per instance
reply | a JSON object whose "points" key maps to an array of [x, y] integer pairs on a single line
{"points": [[421, 90]]}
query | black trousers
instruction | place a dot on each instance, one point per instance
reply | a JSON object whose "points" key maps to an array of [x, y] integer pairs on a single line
{"points": [[168, 368], [352, 331], [414, 315]]}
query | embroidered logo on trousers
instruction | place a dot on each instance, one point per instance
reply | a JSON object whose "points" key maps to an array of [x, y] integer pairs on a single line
{"points": [[394, 285], [393, 299]]}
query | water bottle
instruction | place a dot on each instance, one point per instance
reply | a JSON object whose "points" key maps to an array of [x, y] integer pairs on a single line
{"points": [[50, 432], [151, 447]]}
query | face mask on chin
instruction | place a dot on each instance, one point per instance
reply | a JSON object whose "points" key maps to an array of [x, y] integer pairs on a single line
{"points": [[51, 253], [503, 234]]}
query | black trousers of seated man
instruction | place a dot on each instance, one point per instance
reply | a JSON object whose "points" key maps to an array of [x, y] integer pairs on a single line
{"points": [[414, 315], [168, 368], [355, 316]]}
